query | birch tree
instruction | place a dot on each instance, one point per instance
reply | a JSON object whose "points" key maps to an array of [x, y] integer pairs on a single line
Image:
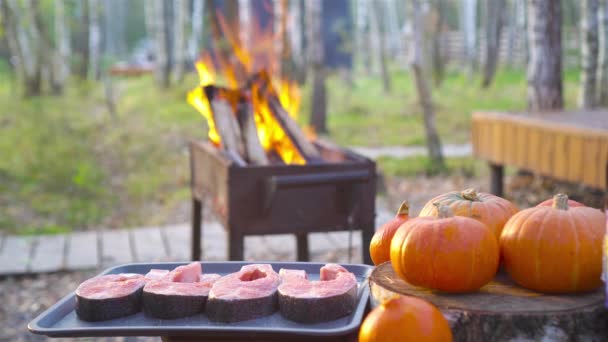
{"points": [[181, 32], [396, 43], [316, 56], [363, 42], [282, 42], [156, 22], [494, 22], [545, 89], [60, 68], [297, 40], [437, 56], [589, 53], [416, 57], [22, 25], [468, 26], [94, 40], [197, 29], [603, 54], [379, 29]]}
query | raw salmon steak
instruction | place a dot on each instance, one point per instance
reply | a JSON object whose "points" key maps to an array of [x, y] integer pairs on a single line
{"points": [[247, 294], [306, 301], [179, 293], [109, 296]]}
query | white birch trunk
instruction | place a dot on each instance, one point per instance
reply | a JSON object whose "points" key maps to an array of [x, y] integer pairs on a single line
{"points": [[589, 53], [245, 24], [94, 41], [197, 29], [26, 36], [380, 32], [8, 18], [395, 43], [603, 54], [416, 59], [469, 34], [296, 36], [362, 42], [545, 89], [374, 38], [316, 51], [494, 22], [161, 42], [61, 53], [180, 34]]}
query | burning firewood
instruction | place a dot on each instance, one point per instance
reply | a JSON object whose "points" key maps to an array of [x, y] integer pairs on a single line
{"points": [[225, 122], [266, 93], [254, 150]]}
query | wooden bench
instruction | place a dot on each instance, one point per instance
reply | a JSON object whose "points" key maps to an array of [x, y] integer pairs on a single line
{"points": [[568, 146]]}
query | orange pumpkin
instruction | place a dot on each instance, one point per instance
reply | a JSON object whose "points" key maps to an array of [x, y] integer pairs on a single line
{"points": [[555, 249], [492, 210], [405, 319], [549, 203], [380, 246], [447, 253]]}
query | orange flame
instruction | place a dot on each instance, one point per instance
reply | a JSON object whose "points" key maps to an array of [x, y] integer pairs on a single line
{"points": [[197, 98], [270, 132]]}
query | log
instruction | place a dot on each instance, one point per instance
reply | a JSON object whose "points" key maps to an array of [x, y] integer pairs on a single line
{"points": [[226, 123], [306, 148], [503, 311], [254, 152]]}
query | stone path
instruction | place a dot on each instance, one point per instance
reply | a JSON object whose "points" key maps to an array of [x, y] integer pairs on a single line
{"points": [[463, 150], [104, 248]]}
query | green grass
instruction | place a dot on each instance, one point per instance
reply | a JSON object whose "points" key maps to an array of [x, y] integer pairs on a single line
{"points": [[363, 115], [68, 164]]}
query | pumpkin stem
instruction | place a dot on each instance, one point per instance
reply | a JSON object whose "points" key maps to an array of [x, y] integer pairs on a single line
{"points": [[470, 194], [404, 209], [443, 211], [560, 201]]}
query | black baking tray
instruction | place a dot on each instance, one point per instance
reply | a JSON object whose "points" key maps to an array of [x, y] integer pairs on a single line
{"points": [[60, 320]]}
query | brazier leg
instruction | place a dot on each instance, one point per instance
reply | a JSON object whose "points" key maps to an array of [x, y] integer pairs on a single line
{"points": [[496, 179], [197, 219], [302, 241], [236, 245], [366, 236]]}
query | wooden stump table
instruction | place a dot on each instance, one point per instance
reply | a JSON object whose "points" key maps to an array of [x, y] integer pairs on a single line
{"points": [[503, 311]]}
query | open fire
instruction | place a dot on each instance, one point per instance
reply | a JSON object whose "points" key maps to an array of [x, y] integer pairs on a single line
{"points": [[254, 118], [260, 172]]}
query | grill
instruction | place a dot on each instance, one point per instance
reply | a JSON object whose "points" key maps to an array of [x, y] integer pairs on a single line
{"points": [[334, 194]]}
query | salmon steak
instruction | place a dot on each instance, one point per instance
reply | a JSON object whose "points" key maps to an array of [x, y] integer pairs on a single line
{"points": [[247, 294], [327, 299], [180, 293], [109, 296]]}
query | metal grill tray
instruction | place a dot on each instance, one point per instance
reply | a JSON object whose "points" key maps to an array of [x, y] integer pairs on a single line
{"points": [[60, 320]]}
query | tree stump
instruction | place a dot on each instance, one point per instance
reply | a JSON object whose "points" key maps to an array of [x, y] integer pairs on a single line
{"points": [[503, 311]]}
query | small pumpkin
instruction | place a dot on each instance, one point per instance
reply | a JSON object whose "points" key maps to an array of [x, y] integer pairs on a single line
{"points": [[380, 246], [448, 253], [492, 210], [404, 318], [555, 249]]}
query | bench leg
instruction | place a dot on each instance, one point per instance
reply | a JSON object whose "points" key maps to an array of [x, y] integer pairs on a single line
{"points": [[302, 245], [197, 219], [496, 179]]}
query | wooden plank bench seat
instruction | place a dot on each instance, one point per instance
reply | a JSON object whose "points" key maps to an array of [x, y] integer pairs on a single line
{"points": [[568, 146]]}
